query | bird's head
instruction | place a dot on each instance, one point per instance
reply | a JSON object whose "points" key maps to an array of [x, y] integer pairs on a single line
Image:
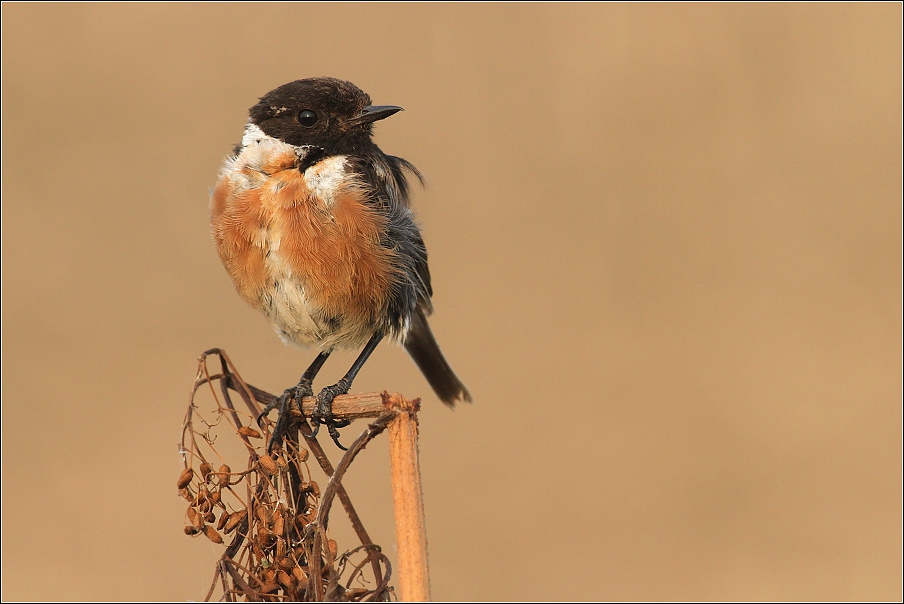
{"points": [[327, 113]]}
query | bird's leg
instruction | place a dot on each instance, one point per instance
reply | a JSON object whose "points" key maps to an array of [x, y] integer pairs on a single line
{"points": [[296, 393], [323, 413]]}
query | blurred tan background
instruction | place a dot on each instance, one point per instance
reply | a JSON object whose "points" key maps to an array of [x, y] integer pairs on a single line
{"points": [[666, 249]]}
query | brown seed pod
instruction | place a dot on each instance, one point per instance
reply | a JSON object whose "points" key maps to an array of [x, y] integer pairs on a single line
{"points": [[215, 497], [302, 455], [310, 515], [205, 506], [256, 549], [212, 534], [234, 520], [222, 521], [187, 496], [269, 575], [302, 520], [263, 514], [269, 587], [205, 470], [315, 489], [284, 579], [249, 432], [334, 548], [223, 475], [196, 519], [210, 517], [280, 548], [267, 464], [279, 524], [281, 462], [185, 478], [300, 575], [265, 538], [287, 564], [191, 531]]}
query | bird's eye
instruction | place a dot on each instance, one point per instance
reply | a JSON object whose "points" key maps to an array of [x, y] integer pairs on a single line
{"points": [[307, 118]]}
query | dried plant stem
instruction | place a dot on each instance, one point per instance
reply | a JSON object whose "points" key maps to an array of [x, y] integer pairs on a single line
{"points": [[279, 549], [408, 500]]}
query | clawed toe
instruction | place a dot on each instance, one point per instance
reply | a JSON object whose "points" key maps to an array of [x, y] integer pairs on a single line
{"points": [[296, 393], [323, 412]]}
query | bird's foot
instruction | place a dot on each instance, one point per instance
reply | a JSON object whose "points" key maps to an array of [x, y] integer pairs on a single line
{"points": [[296, 393], [323, 412]]}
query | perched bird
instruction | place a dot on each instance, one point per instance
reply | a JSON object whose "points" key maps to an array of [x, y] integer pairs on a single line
{"points": [[313, 223]]}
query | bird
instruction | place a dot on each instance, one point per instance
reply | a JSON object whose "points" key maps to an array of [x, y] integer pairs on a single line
{"points": [[313, 223]]}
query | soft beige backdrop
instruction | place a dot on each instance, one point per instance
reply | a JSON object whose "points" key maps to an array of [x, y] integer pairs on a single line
{"points": [[666, 248]]}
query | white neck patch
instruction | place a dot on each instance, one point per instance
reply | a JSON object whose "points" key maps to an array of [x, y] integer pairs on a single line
{"points": [[323, 178], [253, 134]]}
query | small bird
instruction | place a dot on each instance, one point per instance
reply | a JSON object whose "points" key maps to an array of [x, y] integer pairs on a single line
{"points": [[313, 223]]}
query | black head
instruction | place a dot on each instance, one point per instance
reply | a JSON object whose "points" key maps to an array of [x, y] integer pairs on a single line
{"points": [[322, 112]]}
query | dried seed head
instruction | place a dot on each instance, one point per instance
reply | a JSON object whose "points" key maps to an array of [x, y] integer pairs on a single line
{"points": [[215, 497], [187, 495], [269, 574], [191, 531], [234, 520], [268, 465], [185, 478], [205, 506], [286, 563], [249, 432], [222, 522], [205, 470], [315, 489], [209, 517], [281, 462], [278, 523], [334, 548], [212, 534], [302, 455], [300, 575], [223, 475], [280, 549]]}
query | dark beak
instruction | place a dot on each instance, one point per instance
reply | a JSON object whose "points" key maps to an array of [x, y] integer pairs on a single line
{"points": [[372, 113]]}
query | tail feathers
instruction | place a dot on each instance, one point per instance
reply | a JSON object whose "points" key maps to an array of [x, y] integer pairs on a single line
{"points": [[422, 347]]}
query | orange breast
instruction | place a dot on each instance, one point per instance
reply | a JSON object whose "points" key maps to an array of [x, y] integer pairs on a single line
{"points": [[303, 248]]}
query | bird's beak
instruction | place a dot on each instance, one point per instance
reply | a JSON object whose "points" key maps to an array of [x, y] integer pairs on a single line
{"points": [[372, 113]]}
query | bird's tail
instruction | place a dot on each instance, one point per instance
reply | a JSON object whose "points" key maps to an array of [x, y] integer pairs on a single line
{"points": [[422, 347]]}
